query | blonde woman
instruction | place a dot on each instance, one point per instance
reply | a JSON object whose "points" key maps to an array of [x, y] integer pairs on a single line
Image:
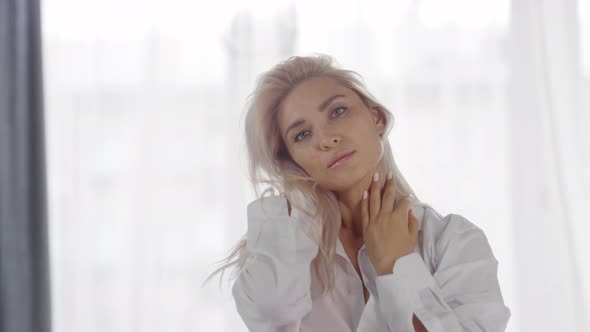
{"points": [[347, 246]]}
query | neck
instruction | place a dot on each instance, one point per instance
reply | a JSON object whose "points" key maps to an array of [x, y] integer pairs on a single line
{"points": [[350, 201]]}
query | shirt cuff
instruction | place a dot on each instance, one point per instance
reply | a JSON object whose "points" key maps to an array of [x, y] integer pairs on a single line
{"points": [[399, 292]]}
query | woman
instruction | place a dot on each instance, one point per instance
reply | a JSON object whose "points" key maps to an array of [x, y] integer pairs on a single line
{"points": [[347, 246]]}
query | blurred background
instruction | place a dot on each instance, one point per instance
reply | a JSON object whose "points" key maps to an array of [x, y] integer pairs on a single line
{"points": [[145, 155]]}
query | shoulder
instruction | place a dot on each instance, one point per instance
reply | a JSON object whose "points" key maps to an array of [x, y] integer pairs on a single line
{"points": [[450, 234], [433, 222], [269, 206]]}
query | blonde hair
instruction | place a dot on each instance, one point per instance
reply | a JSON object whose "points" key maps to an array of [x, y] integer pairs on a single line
{"points": [[269, 162]]}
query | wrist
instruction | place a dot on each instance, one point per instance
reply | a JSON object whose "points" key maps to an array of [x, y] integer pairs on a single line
{"points": [[385, 268]]}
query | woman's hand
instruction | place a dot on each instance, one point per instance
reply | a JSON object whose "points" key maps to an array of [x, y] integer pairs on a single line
{"points": [[388, 233]]}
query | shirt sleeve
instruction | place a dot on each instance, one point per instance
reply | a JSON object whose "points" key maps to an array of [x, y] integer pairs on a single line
{"points": [[272, 290], [463, 293]]}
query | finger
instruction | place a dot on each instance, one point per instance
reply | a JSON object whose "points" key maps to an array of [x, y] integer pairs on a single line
{"points": [[375, 197], [365, 211], [403, 208], [413, 225], [388, 195]]}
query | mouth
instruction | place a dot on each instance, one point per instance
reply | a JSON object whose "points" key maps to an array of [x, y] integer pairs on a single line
{"points": [[341, 158]]}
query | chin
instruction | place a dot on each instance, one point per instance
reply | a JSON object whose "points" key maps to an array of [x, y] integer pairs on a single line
{"points": [[345, 180]]}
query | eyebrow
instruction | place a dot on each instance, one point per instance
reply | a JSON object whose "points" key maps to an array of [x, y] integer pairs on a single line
{"points": [[321, 108]]}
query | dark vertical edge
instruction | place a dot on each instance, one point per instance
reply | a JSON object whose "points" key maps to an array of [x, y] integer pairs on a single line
{"points": [[41, 277]]}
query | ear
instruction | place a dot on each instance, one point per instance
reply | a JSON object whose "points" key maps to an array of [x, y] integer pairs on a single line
{"points": [[378, 118]]}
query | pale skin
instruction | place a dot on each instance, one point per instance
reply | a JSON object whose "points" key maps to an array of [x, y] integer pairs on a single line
{"points": [[346, 122]]}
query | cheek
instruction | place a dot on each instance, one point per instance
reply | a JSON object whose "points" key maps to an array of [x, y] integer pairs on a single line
{"points": [[307, 160], [369, 142]]}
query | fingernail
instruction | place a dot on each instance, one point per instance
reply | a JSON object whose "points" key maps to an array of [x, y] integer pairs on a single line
{"points": [[365, 194], [376, 176], [390, 175]]}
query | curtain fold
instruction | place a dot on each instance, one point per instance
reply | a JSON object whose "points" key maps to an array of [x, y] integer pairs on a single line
{"points": [[545, 115], [24, 270]]}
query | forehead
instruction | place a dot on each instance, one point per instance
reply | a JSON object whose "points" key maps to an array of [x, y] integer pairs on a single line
{"points": [[313, 90], [308, 95]]}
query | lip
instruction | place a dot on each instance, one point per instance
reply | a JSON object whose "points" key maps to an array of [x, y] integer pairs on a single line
{"points": [[339, 158]]}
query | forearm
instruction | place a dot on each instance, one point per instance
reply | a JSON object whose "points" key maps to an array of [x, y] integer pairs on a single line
{"points": [[273, 286]]}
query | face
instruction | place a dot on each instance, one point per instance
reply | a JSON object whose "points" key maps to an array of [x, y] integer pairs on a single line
{"points": [[320, 118]]}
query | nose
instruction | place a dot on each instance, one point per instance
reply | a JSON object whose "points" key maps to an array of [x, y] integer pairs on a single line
{"points": [[330, 141]]}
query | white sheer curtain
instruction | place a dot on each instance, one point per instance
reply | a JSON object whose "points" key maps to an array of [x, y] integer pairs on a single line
{"points": [[146, 166]]}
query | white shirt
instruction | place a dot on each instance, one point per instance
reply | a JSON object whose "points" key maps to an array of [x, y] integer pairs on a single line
{"points": [[449, 282]]}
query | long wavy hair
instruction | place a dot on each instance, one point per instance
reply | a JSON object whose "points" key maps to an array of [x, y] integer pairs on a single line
{"points": [[270, 164]]}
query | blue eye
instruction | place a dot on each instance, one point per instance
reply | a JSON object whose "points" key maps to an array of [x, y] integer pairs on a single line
{"points": [[339, 108], [297, 137], [333, 112]]}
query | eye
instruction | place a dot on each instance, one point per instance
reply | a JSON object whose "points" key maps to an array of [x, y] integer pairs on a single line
{"points": [[339, 108], [333, 112], [299, 135]]}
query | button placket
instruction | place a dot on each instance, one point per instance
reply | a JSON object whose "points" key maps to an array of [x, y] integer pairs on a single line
{"points": [[368, 272]]}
